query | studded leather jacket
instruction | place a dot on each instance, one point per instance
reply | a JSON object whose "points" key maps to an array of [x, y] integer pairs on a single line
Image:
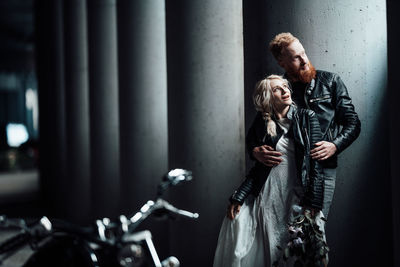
{"points": [[305, 131], [327, 96]]}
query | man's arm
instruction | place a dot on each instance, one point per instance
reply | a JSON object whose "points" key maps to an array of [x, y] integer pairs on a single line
{"points": [[346, 116], [257, 151], [252, 140]]}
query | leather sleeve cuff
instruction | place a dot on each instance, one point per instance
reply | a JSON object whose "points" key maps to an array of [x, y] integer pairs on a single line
{"points": [[240, 195]]}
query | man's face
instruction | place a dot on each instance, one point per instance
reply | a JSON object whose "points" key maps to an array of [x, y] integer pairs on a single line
{"points": [[294, 60]]}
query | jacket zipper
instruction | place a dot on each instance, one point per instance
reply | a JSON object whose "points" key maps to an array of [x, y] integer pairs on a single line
{"points": [[308, 140], [305, 99], [319, 98], [307, 151], [330, 134]]}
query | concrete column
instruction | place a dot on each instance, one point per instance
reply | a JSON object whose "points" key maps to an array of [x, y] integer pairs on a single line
{"points": [[394, 95], [206, 118], [103, 94], [143, 107], [143, 99], [349, 38], [77, 109], [50, 71]]}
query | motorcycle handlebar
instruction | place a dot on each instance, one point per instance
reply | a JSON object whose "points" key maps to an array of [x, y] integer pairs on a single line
{"points": [[164, 204], [150, 207], [14, 242], [36, 232]]}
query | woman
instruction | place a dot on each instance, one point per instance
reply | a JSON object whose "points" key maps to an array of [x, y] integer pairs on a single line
{"points": [[261, 207]]}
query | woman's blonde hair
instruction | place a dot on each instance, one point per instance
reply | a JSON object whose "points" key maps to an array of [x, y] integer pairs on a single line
{"points": [[264, 102]]}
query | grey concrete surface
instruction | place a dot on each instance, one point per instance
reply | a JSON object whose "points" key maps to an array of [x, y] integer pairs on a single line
{"points": [[206, 117]]}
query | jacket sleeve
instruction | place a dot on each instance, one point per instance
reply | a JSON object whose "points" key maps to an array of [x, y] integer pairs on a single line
{"points": [[252, 139], [244, 190], [253, 183], [314, 194], [345, 116]]}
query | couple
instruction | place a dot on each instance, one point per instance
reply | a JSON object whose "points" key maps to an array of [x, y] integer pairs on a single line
{"points": [[295, 147]]}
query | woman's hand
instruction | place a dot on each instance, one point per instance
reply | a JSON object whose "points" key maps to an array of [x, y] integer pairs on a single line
{"points": [[233, 210]]}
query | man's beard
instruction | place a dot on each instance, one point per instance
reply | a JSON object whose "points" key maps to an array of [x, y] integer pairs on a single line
{"points": [[305, 76]]}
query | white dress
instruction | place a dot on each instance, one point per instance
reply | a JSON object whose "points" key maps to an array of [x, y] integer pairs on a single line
{"points": [[251, 239]]}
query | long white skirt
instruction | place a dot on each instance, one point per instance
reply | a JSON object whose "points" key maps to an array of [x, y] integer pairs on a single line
{"points": [[251, 239]]}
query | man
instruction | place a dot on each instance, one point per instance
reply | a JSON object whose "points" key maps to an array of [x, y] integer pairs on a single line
{"points": [[324, 93]]}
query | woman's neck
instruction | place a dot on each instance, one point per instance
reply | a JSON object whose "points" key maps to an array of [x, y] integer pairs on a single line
{"points": [[280, 114]]}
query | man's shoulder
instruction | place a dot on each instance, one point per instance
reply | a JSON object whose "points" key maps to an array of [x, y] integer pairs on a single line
{"points": [[326, 77]]}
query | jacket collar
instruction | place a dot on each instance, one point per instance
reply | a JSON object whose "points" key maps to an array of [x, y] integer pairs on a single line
{"points": [[310, 86], [291, 111]]}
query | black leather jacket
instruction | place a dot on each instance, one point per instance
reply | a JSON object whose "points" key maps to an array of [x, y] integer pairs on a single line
{"points": [[305, 131], [327, 96]]}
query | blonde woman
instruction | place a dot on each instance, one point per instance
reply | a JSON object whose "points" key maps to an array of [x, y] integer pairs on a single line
{"points": [[259, 210]]}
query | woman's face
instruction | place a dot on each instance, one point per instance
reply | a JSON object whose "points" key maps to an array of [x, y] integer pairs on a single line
{"points": [[281, 94]]}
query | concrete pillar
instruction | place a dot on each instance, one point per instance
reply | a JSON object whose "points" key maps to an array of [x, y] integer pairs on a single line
{"points": [[394, 95], [255, 47], [143, 107], [143, 99], [349, 38], [77, 109], [206, 118], [103, 94], [50, 71]]}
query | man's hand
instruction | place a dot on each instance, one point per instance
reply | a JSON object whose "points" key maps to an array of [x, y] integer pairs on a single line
{"points": [[267, 155], [323, 150], [233, 210]]}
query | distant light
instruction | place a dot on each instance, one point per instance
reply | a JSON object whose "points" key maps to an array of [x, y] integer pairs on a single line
{"points": [[16, 134]]}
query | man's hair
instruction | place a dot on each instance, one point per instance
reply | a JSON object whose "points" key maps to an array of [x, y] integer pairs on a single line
{"points": [[280, 42]]}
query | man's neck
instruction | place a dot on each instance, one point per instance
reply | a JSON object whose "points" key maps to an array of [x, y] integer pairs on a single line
{"points": [[291, 78]]}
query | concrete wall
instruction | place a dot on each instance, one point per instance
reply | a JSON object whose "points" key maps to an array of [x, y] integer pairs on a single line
{"points": [[206, 117], [349, 38], [393, 21]]}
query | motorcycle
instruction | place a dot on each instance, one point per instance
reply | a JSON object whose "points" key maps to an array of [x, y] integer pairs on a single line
{"points": [[106, 243]]}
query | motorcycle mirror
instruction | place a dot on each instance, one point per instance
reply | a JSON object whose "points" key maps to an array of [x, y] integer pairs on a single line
{"points": [[177, 176], [174, 177]]}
